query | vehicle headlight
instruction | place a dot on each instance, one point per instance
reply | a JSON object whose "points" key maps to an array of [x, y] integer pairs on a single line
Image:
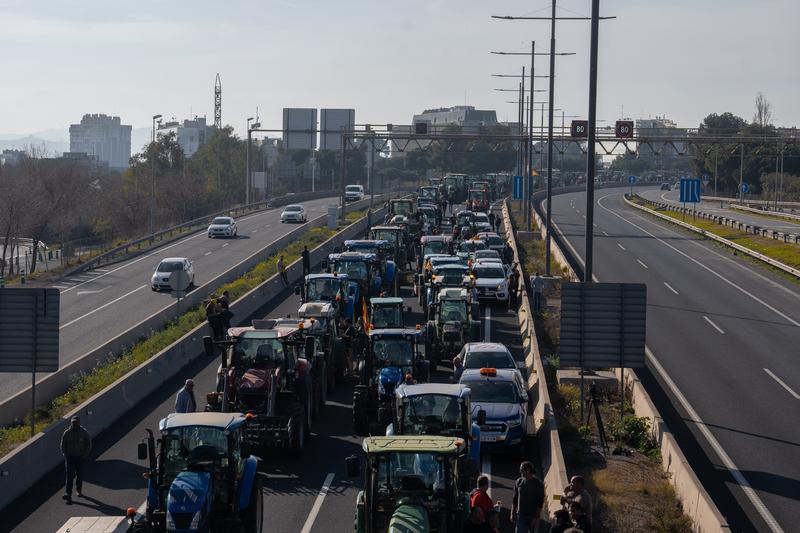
{"points": [[195, 521], [514, 423], [170, 522]]}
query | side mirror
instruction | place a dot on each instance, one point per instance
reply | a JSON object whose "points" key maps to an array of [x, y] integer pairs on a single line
{"points": [[141, 451], [481, 417], [353, 466], [208, 346], [324, 264]]}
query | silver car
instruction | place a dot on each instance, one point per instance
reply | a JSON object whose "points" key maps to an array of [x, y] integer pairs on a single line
{"points": [[222, 227], [294, 213], [160, 278]]}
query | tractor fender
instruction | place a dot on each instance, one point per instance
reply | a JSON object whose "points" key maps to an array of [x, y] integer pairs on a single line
{"points": [[249, 473]]}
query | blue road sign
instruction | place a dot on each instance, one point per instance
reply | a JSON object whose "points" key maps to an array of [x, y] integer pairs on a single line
{"points": [[744, 187], [690, 190], [517, 188], [631, 179]]}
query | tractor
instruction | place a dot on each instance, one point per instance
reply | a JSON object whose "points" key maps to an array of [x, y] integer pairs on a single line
{"points": [[382, 250], [453, 322], [323, 324], [402, 251], [366, 269], [334, 288], [200, 476], [276, 374], [411, 484], [387, 313], [478, 200], [390, 356]]}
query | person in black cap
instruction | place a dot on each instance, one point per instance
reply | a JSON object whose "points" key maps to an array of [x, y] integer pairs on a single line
{"points": [[76, 444]]}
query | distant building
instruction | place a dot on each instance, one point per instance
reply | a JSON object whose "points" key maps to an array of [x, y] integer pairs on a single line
{"points": [[463, 115], [191, 134], [652, 128], [102, 136], [12, 157]]}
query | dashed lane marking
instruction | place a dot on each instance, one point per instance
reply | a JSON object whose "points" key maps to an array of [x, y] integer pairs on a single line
{"points": [[621, 247], [640, 262], [716, 327], [207, 253], [312, 516], [102, 307], [667, 285], [782, 384]]}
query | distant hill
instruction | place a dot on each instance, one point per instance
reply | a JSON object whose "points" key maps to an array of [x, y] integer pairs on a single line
{"points": [[54, 142], [50, 148]]}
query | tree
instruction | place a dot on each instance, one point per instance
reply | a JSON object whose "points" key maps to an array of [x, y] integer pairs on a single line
{"points": [[763, 114]]}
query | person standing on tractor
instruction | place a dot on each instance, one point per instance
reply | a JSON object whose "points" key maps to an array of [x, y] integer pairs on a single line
{"points": [[76, 444], [224, 309], [214, 318]]}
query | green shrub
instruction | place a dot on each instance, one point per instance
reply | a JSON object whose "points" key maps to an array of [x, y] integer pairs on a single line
{"points": [[635, 432]]}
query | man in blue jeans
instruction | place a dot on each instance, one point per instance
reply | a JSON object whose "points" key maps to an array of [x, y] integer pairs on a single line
{"points": [[76, 443], [526, 508]]}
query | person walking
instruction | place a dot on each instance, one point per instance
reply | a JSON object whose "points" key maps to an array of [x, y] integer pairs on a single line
{"points": [[578, 502], [508, 254], [184, 401], [282, 270], [492, 219], [76, 444], [537, 284], [513, 287], [458, 369], [526, 507], [306, 261]]}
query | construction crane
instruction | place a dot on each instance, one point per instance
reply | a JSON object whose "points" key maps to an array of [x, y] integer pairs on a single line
{"points": [[218, 103]]}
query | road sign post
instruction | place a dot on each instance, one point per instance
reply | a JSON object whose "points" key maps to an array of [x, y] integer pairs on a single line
{"points": [[690, 192], [179, 282], [631, 180]]}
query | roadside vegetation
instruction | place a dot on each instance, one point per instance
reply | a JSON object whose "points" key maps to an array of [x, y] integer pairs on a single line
{"points": [[88, 384], [531, 246]]}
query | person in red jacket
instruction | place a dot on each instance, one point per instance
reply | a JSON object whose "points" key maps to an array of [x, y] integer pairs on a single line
{"points": [[479, 496]]}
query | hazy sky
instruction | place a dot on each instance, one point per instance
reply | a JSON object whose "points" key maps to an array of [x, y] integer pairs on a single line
{"points": [[388, 60]]}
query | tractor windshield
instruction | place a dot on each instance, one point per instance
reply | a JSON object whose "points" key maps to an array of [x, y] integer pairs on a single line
{"points": [[394, 352], [453, 311], [432, 414], [355, 270], [410, 472], [387, 316], [258, 353], [194, 447], [386, 235], [402, 208], [435, 247], [322, 290]]}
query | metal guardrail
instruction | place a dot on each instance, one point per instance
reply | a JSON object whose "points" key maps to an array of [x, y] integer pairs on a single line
{"points": [[731, 199], [761, 257], [766, 211]]}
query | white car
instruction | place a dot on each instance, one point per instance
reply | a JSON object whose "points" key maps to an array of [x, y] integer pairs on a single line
{"points": [[493, 240], [160, 278], [487, 355], [354, 193], [294, 213], [481, 223], [487, 254], [491, 281], [223, 227]]}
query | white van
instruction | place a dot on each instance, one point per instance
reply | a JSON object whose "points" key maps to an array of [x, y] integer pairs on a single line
{"points": [[353, 193]]}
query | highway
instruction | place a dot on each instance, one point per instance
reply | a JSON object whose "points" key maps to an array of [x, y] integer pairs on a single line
{"points": [[672, 197], [99, 304], [292, 484], [723, 335]]}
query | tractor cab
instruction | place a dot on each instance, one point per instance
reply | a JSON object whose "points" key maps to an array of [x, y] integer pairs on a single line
{"points": [[201, 476], [478, 200], [386, 313], [428, 195], [435, 244], [411, 480], [363, 268], [453, 322], [401, 242], [334, 288]]}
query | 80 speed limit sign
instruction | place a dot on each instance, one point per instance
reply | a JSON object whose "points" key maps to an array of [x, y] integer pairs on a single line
{"points": [[624, 129], [579, 128]]}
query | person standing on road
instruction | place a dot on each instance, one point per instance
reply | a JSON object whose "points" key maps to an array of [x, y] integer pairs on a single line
{"points": [[528, 500], [282, 270], [537, 284], [479, 496], [76, 443], [492, 219], [224, 310], [508, 254], [513, 287], [458, 369], [184, 401], [306, 261]]}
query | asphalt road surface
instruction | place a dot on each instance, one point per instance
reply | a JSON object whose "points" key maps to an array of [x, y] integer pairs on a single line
{"points": [[292, 484], [713, 208], [726, 333], [99, 304]]}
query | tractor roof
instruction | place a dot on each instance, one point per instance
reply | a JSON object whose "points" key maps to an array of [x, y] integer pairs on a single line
{"points": [[316, 309], [452, 293], [436, 238], [352, 256], [327, 275], [446, 389], [366, 243], [386, 301], [413, 444], [393, 228], [228, 421], [264, 329], [394, 332]]}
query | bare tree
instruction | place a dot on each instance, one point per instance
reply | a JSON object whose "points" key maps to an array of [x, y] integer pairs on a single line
{"points": [[763, 115]]}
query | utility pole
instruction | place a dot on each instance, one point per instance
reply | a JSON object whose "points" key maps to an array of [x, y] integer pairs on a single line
{"points": [[590, 152], [153, 153], [550, 139], [372, 173], [716, 157], [247, 165], [777, 160], [529, 145], [741, 174], [344, 177]]}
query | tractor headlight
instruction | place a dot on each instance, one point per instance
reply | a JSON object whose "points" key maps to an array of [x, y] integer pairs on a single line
{"points": [[195, 521]]}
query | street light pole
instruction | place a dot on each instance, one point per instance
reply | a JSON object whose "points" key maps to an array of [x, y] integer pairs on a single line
{"points": [[550, 139], [247, 165], [529, 145], [590, 152], [153, 178]]}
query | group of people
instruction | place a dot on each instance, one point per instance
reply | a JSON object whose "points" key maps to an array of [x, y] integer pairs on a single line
{"points": [[574, 516], [218, 315]]}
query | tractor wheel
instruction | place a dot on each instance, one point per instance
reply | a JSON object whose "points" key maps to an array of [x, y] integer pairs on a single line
{"points": [[253, 519], [331, 372], [361, 413], [323, 387], [297, 430]]}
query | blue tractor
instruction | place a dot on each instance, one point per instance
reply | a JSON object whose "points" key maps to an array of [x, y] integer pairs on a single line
{"points": [[363, 268], [391, 355], [201, 476], [338, 289], [383, 251]]}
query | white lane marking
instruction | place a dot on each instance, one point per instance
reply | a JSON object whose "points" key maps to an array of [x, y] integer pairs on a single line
{"points": [[312, 516], [207, 253], [667, 285], [266, 226], [716, 327], [595, 225], [59, 286], [782, 384], [226, 244], [95, 291], [640, 262], [726, 460], [606, 234], [79, 280], [486, 470], [620, 246], [487, 325], [254, 231], [701, 265], [99, 270], [102, 306]]}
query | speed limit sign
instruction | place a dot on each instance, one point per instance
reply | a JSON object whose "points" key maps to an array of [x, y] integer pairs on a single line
{"points": [[624, 129], [579, 128]]}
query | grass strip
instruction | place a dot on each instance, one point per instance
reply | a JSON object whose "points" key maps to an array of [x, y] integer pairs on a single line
{"points": [[86, 385], [532, 248], [786, 253]]}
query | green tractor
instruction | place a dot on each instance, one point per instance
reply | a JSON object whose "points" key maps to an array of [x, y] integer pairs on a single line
{"points": [[412, 484], [453, 323], [401, 251]]}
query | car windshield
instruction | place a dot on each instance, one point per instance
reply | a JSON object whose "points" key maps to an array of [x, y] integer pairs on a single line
{"points": [[489, 273], [493, 240], [189, 446], [352, 188], [393, 352], [258, 353], [324, 289], [221, 221], [293, 208], [451, 271], [355, 270], [454, 311], [387, 316], [434, 247], [488, 360], [170, 266], [410, 472], [432, 414], [492, 391]]}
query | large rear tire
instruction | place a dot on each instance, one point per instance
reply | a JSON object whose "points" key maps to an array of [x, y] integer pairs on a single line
{"points": [[297, 431], [360, 412]]}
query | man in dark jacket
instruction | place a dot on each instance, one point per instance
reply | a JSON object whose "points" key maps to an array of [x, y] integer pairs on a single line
{"points": [[306, 261], [76, 444]]}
